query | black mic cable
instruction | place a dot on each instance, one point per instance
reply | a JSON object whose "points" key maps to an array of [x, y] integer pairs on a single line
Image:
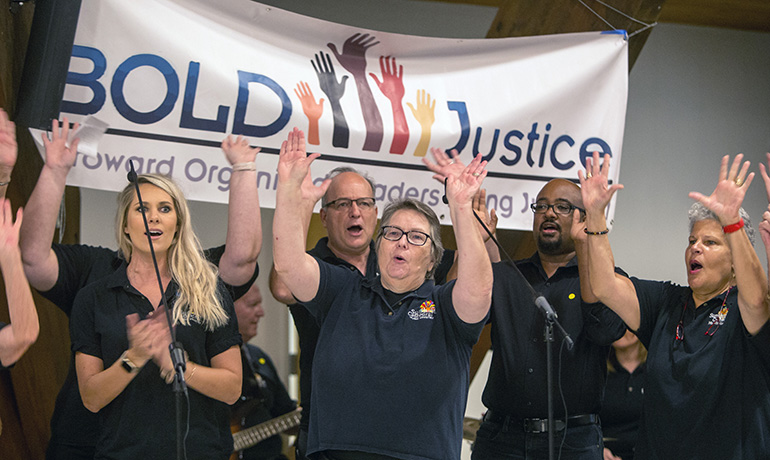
{"points": [[539, 299]]}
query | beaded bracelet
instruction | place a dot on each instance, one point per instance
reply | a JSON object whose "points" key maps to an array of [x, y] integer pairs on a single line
{"points": [[603, 232]]}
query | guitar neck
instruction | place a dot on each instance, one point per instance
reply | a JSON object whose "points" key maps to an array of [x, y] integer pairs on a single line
{"points": [[258, 433]]}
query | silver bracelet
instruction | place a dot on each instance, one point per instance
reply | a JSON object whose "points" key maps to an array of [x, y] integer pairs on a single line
{"points": [[250, 166], [3, 184]]}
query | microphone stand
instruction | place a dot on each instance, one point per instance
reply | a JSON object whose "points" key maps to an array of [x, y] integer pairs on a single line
{"points": [[551, 319], [175, 348]]}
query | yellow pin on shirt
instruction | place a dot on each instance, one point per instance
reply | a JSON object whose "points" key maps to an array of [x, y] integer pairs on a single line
{"points": [[261, 360], [571, 296]]}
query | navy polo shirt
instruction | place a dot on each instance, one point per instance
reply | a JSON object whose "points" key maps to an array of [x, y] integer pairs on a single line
{"points": [[140, 421], [517, 383], [308, 328], [391, 383], [706, 396]]}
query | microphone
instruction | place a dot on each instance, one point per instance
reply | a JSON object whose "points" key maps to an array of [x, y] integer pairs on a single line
{"points": [[546, 308], [550, 315], [131, 172], [443, 197]]}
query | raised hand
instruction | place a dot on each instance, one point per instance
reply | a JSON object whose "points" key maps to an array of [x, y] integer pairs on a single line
{"points": [[726, 199], [764, 226], [489, 217], [765, 170], [764, 229], [577, 231], [594, 184], [353, 59], [238, 150], [312, 109], [9, 230], [334, 90], [327, 77], [445, 165], [57, 154], [8, 147], [425, 115], [392, 86], [461, 189], [294, 167], [353, 56]]}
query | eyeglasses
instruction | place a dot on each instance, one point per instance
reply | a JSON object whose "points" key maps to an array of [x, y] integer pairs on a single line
{"points": [[414, 237], [346, 203], [563, 209]]}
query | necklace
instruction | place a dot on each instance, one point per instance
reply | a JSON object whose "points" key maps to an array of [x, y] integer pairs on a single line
{"points": [[715, 319]]}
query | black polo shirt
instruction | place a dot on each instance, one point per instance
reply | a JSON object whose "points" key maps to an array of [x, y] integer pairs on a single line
{"points": [[263, 397], [139, 422], [517, 383], [79, 265], [308, 328], [706, 396], [622, 408]]}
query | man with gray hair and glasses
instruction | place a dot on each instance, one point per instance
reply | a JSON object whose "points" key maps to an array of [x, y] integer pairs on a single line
{"points": [[349, 214]]}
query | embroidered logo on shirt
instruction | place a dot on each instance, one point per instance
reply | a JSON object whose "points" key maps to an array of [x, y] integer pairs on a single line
{"points": [[427, 309], [718, 319]]}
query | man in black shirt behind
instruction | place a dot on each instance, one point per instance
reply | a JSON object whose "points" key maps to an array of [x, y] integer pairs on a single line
{"points": [[264, 397]]}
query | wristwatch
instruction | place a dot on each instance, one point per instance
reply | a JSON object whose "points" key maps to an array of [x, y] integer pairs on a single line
{"points": [[128, 365]]}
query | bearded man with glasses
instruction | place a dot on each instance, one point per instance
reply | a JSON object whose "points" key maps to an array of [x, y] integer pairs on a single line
{"points": [[515, 425]]}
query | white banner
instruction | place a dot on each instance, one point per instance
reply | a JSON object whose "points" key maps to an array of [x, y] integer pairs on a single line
{"points": [[172, 77]]}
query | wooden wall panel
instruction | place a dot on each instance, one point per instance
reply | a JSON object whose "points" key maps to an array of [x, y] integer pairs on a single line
{"points": [[28, 391]]}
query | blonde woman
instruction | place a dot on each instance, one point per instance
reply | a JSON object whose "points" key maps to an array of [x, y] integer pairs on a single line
{"points": [[120, 337]]}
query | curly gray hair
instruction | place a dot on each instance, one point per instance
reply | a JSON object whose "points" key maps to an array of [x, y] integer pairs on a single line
{"points": [[699, 212]]}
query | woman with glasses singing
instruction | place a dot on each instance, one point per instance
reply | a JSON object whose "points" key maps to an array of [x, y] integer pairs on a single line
{"points": [[707, 393], [391, 369]]}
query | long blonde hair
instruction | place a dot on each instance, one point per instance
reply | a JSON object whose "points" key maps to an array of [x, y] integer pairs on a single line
{"points": [[198, 298]]}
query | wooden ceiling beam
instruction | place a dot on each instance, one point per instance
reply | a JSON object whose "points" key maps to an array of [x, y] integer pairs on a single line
{"points": [[521, 18], [734, 14]]}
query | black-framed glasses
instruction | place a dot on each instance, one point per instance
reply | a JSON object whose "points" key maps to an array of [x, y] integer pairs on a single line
{"points": [[346, 203], [414, 237], [563, 209]]}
